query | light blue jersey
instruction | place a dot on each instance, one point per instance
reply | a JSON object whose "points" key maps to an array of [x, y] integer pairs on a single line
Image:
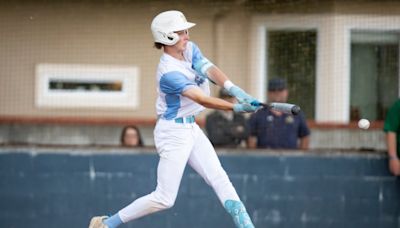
{"points": [[174, 77]]}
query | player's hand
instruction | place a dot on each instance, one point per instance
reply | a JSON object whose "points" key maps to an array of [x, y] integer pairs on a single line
{"points": [[245, 108], [394, 166], [243, 97]]}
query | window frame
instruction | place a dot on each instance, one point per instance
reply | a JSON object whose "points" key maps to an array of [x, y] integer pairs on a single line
{"points": [[376, 39], [127, 98], [332, 95]]}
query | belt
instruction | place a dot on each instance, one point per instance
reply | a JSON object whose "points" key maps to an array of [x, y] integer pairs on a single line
{"points": [[187, 119]]}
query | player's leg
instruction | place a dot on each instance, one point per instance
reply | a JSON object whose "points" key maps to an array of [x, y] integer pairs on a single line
{"points": [[204, 161], [173, 145]]}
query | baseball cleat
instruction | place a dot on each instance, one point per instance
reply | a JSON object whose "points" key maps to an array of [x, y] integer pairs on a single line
{"points": [[97, 222]]}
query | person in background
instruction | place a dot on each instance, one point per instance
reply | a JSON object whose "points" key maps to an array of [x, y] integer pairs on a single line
{"points": [[131, 137], [226, 128], [276, 130], [392, 129]]}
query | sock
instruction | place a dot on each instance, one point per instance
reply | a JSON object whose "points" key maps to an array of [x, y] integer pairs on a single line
{"points": [[239, 214], [113, 221]]}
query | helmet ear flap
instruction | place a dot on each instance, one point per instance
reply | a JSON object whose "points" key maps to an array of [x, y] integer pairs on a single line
{"points": [[166, 38], [173, 37]]}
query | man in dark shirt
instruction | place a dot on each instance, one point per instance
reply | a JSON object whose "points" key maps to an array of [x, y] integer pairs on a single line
{"points": [[224, 128], [276, 130]]}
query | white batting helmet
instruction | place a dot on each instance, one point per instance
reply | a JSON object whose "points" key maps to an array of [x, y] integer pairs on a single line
{"points": [[165, 24]]}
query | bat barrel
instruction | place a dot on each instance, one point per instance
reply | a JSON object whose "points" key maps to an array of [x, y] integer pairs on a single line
{"points": [[283, 107], [296, 110]]}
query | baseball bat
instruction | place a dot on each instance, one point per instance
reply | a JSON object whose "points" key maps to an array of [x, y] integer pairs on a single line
{"points": [[283, 107], [280, 107]]}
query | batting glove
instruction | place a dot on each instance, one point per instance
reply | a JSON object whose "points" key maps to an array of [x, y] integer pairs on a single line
{"points": [[244, 108], [243, 97]]}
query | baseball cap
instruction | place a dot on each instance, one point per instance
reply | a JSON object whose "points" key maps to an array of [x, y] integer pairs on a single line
{"points": [[276, 84]]}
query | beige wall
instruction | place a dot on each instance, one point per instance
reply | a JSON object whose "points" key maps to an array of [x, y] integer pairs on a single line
{"points": [[118, 34], [84, 34]]}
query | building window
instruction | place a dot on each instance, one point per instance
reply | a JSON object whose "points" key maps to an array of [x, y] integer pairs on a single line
{"points": [[374, 73], [292, 55], [86, 86]]}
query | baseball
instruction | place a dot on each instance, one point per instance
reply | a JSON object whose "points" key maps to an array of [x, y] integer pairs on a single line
{"points": [[363, 124]]}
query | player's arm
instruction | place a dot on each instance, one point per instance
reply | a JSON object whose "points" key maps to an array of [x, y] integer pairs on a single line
{"points": [[206, 68], [198, 96], [217, 75], [174, 83], [221, 79]]}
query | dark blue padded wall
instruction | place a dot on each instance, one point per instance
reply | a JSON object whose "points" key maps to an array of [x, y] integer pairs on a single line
{"points": [[279, 189]]}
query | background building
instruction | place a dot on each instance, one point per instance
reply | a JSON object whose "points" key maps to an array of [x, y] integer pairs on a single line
{"points": [[90, 64], [74, 72]]}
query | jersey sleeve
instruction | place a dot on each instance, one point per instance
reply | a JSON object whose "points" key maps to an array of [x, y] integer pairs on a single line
{"points": [[175, 83], [200, 63], [392, 121], [196, 54]]}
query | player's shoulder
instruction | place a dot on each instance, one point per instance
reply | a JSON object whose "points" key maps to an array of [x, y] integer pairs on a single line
{"points": [[192, 47], [167, 64], [174, 77]]}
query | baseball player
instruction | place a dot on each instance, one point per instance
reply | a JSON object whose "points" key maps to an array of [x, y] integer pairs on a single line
{"points": [[183, 92]]}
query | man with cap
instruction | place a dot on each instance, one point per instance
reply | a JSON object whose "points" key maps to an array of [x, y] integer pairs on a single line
{"points": [[276, 130], [225, 128]]}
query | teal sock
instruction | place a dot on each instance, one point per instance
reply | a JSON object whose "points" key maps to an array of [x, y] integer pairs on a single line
{"points": [[239, 214], [113, 221]]}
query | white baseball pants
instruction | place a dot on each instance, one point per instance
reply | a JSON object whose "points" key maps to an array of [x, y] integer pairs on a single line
{"points": [[178, 144]]}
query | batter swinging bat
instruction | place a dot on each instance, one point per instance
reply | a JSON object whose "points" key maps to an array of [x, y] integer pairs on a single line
{"points": [[283, 107]]}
